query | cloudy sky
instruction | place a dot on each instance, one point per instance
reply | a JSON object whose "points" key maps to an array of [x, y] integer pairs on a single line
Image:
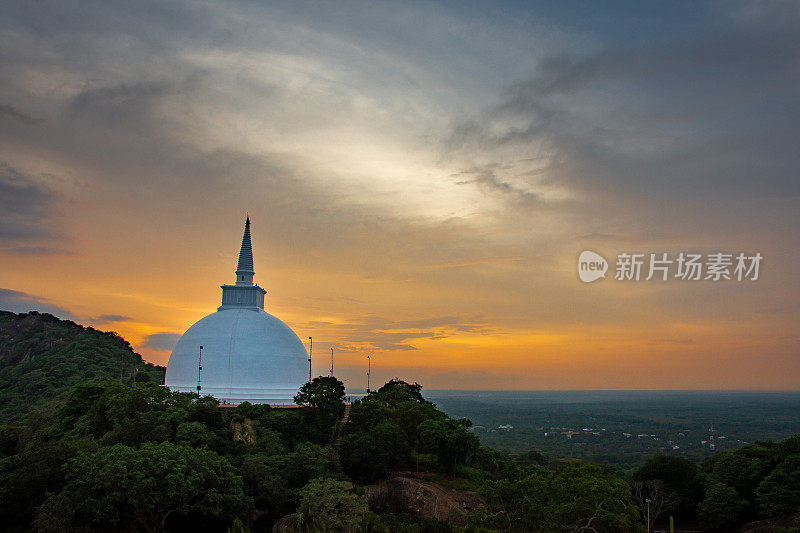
{"points": [[421, 178]]}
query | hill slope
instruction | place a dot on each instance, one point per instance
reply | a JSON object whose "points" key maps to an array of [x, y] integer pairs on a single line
{"points": [[42, 356]]}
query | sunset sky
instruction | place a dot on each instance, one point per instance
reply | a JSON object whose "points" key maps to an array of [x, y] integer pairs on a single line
{"points": [[421, 178]]}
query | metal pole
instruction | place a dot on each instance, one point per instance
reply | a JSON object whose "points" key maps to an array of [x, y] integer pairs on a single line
{"points": [[369, 369], [331, 360], [648, 514], [310, 351], [199, 368]]}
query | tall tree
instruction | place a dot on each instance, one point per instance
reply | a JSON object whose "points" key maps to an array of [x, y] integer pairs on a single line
{"points": [[326, 395], [680, 481], [653, 499], [396, 391]]}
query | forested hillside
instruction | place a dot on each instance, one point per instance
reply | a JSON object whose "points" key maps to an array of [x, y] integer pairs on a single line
{"points": [[42, 356]]}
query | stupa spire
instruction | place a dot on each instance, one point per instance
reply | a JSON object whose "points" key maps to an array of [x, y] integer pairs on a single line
{"points": [[245, 293], [244, 269]]}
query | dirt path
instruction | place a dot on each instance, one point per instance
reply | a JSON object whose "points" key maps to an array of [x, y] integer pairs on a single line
{"points": [[340, 427]]}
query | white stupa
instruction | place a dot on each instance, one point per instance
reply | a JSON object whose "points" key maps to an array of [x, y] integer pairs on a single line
{"points": [[247, 354]]}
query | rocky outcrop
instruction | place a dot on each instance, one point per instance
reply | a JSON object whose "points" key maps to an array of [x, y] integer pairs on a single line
{"points": [[770, 525], [280, 525], [407, 492], [243, 431]]}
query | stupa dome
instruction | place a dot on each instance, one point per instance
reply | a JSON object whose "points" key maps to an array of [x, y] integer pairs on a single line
{"points": [[247, 354]]}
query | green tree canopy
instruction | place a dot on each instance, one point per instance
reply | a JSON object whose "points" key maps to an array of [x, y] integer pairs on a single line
{"points": [[326, 395], [369, 455], [366, 413], [130, 489], [779, 493], [449, 440], [256, 412], [28, 476], [396, 391], [410, 414], [42, 356], [680, 477], [114, 413], [516, 505], [577, 497], [327, 505], [275, 481], [721, 508], [582, 496], [743, 469]]}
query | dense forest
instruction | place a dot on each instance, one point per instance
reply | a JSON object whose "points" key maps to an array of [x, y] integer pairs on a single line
{"points": [[42, 357], [125, 455]]}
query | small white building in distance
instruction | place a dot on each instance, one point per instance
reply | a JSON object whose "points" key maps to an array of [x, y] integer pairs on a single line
{"points": [[247, 354]]}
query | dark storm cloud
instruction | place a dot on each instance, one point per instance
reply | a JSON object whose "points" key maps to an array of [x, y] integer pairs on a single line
{"points": [[25, 207], [732, 57], [21, 302], [121, 102], [141, 126], [160, 341], [711, 116], [10, 111], [122, 133]]}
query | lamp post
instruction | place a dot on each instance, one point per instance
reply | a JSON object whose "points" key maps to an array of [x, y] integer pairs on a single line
{"points": [[369, 369], [647, 501], [310, 351], [199, 369]]}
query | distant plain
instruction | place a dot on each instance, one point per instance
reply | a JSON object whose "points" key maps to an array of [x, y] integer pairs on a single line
{"points": [[623, 428]]}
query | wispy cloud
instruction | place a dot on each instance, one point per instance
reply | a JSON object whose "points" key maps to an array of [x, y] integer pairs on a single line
{"points": [[160, 341], [107, 319], [376, 333], [37, 250]]}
